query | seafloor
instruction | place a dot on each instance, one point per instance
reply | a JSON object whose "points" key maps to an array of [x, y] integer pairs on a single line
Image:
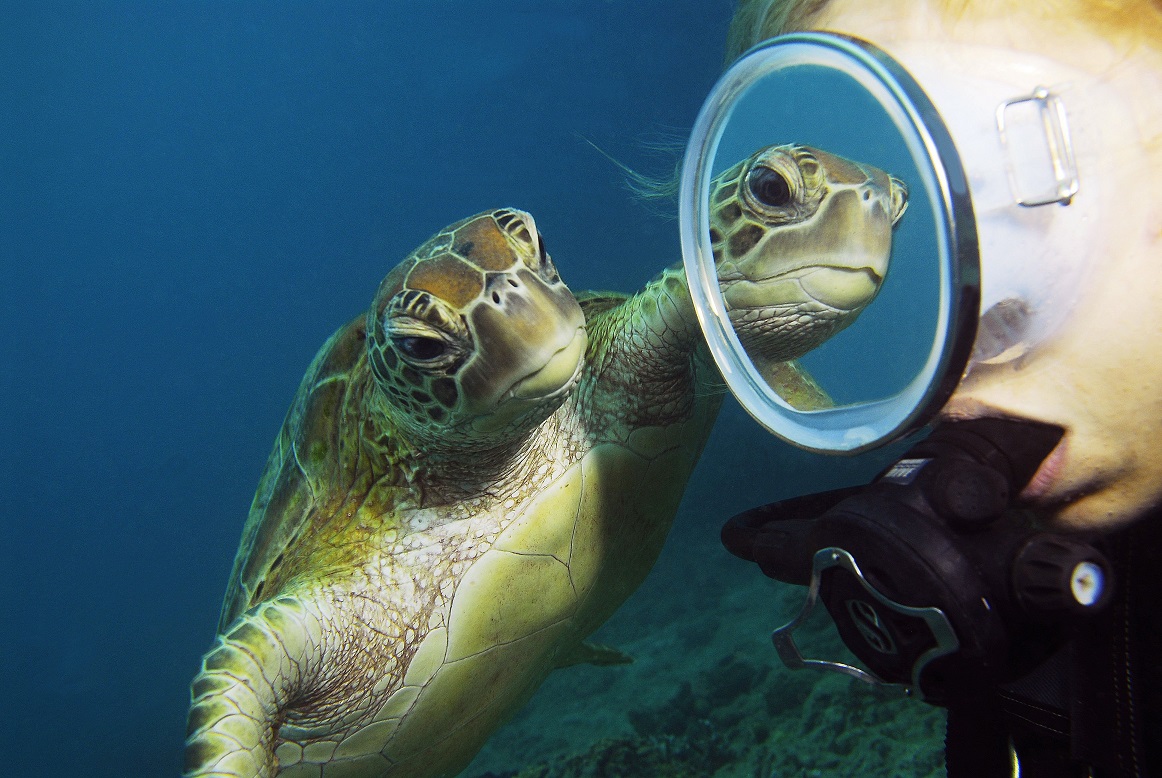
{"points": [[706, 694]]}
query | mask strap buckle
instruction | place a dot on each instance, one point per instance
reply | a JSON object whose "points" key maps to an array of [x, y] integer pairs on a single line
{"points": [[1034, 133]]}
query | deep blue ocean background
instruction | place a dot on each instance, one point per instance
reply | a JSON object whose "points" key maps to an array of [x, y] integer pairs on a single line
{"points": [[193, 196]]}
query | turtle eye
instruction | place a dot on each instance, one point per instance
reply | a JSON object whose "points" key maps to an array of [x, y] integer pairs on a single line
{"points": [[769, 187], [421, 348], [544, 264]]}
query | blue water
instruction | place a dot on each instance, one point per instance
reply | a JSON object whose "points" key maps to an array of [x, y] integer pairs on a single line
{"points": [[192, 197]]}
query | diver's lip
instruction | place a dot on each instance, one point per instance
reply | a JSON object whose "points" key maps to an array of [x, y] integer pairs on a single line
{"points": [[568, 357], [1039, 486], [1038, 490]]}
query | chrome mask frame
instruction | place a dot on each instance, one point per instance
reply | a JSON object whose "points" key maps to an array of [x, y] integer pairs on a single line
{"points": [[861, 426]]}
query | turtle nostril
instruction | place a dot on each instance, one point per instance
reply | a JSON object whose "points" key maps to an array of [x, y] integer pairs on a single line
{"points": [[513, 283], [496, 298], [866, 194]]}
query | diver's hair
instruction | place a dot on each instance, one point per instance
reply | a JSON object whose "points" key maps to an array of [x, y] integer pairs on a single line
{"points": [[1134, 21], [756, 20], [658, 194]]}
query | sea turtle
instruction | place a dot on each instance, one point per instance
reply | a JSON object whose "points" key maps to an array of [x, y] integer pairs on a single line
{"points": [[828, 257], [471, 478]]}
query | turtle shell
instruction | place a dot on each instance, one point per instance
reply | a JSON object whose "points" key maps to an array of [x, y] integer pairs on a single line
{"points": [[312, 462]]}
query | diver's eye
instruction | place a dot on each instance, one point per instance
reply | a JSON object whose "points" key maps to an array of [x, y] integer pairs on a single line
{"points": [[421, 348], [769, 187]]}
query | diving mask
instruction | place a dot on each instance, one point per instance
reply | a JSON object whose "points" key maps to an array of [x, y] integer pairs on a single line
{"points": [[1004, 177]]}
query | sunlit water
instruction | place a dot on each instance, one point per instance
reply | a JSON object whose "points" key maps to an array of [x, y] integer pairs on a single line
{"points": [[192, 197]]}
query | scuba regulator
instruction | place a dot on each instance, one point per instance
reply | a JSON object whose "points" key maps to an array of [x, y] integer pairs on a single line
{"points": [[933, 579]]}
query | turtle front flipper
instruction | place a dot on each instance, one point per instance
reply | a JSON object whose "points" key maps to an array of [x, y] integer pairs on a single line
{"points": [[245, 683], [795, 385]]}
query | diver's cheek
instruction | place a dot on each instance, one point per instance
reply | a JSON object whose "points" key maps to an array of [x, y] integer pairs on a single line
{"points": [[1100, 381], [1107, 484], [1114, 355]]}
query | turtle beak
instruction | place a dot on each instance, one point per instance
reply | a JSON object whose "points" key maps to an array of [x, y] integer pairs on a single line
{"points": [[559, 372], [899, 197], [530, 344]]}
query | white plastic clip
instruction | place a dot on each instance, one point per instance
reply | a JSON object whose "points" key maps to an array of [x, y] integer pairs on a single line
{"points": [[1034, 133]]}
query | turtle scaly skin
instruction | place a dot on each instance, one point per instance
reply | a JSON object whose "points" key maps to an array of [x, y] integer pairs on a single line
{"points": [[470, 480]]}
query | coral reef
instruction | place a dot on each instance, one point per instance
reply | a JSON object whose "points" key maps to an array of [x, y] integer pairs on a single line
{"points": [[739, 719]]}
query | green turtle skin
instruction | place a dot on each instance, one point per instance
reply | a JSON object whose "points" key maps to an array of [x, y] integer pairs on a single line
{"points": [[471, 478]]}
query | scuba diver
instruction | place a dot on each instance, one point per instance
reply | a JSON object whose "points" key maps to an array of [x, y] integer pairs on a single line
{"points": [[1007, 565]]}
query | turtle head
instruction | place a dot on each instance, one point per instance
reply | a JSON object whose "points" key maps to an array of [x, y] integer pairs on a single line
{"points": [[801, 240], [474, 334]]}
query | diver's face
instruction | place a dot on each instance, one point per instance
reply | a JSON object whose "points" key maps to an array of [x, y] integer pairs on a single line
{"points": [[1101, 377]]}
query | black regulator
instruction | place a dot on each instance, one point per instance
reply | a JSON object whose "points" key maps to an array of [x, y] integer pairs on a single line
{"points": [[934, 578]]}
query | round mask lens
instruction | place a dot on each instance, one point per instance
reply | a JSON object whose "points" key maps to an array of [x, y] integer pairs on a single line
{"points": [[826, 224]]}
